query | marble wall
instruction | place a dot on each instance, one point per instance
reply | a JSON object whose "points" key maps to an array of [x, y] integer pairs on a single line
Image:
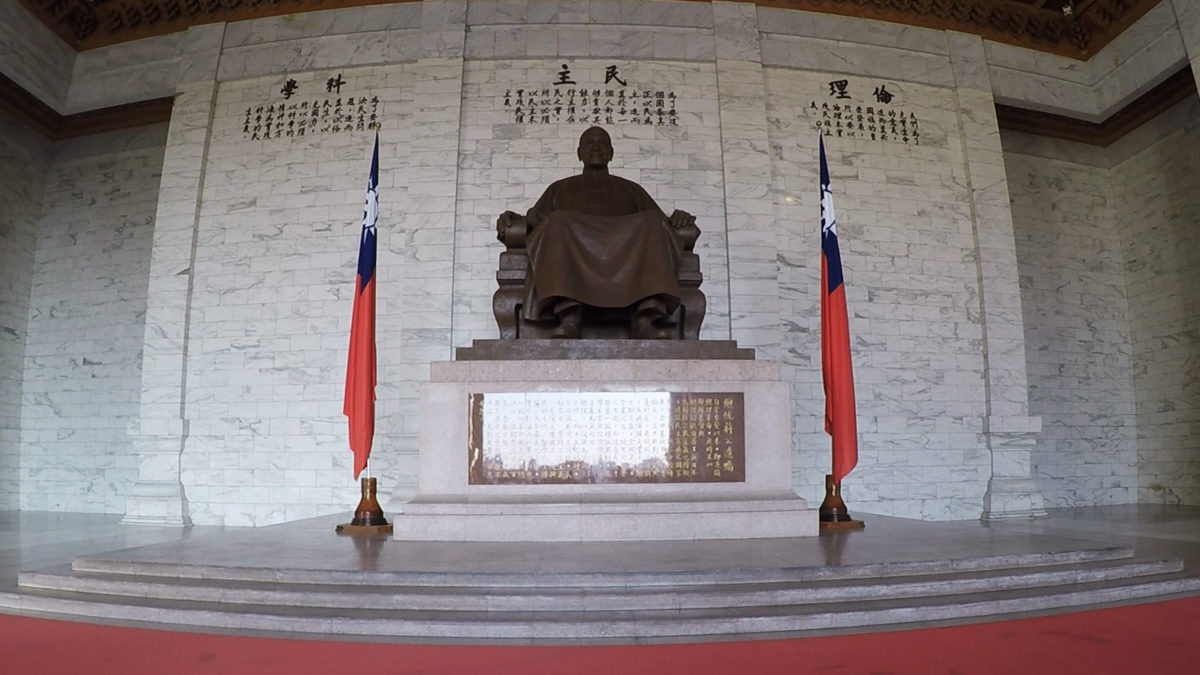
{"points": [[505, 164], [269, 312], [243, 255], [22, 174], [116, 75], [1157, 194], [33, 56], [86, 317], [1106, 244], [1142, 56], [907, 251], [1076, 317]]}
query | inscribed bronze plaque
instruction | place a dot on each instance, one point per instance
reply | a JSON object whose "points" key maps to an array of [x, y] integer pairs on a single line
{"points": [[606, 437]]}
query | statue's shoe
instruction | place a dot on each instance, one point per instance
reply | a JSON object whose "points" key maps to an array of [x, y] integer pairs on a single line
{"points": [[567, 328], [644, 328]]}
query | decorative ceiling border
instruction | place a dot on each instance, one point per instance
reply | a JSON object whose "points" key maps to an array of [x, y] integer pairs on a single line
{"points": [[49, 123], [1175, 88], [1075, 29], [1170, 91], [1071, 28], [89, 24]]}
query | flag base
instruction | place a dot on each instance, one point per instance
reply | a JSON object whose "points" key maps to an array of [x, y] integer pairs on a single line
{"points": [[368, 515], [832, 514]]}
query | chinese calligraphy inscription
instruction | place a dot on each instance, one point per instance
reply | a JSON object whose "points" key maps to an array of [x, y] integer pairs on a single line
{"points": [[609, 437], [295, 116], [563, 99], [841, 114]]}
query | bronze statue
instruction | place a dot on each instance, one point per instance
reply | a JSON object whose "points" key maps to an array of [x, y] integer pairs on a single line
{"points": [[596, 241]]}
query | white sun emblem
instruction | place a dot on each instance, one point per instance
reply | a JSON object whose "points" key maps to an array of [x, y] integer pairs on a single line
{"points": [[828, 220], [370, 211]]}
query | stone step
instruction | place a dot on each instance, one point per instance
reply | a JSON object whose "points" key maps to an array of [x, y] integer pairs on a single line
{"points": [[585, 598], [99, 565], [601, 626], [592, 607]]}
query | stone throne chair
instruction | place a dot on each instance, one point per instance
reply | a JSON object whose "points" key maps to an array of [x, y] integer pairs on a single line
{"points": [[597, 323]]}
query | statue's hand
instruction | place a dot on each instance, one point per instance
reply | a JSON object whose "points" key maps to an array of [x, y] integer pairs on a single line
{"points": [[511, 227], [684, 226], [681, 219], [504, 221]]}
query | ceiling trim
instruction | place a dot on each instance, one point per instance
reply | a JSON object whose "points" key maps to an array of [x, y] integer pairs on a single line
{"points": [[1076, 29], [50, 124], [90, 24], [1170, 91]]}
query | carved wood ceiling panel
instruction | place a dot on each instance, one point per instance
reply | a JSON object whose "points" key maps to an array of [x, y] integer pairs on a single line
{"points": [[1073, 28]]}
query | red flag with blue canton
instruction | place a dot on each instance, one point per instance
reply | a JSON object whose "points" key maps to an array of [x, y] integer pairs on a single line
{"points": [[836, 366], [359, 402]]}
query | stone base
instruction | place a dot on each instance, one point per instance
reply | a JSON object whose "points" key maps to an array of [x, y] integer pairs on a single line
{"points": [[842, 525], [1009, 498], [448, 508], [611, 519], [351, 529], [559, 350], [156, 503]]}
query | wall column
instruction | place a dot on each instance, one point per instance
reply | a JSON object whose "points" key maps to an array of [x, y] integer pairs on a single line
{"points": [[415, 321], [1187, 13], [1009, 431], [754, 304], [161, 428], [21, 194]]}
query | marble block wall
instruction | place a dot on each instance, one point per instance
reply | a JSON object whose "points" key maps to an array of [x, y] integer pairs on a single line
{"points": [[33, 56], [86, 315], [1106, 239], [907, 254], [22, 174], [1143, 55], [505, 165], [116, 74], [259, 311], [1076, 317], [658, 48], [276, 249], [1157, 193], [268, 308]]}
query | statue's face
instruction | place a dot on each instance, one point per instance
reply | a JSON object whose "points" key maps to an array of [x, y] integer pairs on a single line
{"points": [[595, 147]]}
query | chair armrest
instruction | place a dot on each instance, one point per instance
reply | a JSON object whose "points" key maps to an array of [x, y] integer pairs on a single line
{"points": [[511, 229]]}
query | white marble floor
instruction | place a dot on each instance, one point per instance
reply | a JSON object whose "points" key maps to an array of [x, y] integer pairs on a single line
{"points": [[39, 540]]}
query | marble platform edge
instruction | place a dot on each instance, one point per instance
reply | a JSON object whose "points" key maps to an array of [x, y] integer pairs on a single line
{"points": [[131, 566], [530, 525], [609, 627], [617, 498], [589, 349], [571, 598], [635, 373]]}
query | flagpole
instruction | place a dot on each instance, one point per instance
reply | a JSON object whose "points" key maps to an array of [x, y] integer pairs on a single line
{"points": [[836, 367], [359, 402]]}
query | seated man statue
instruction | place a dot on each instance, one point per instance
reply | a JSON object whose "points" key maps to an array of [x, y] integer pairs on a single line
{"points": [[599, 240]]}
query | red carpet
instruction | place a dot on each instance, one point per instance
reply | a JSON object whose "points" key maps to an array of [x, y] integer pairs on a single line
{"points": [[1160, 638]]}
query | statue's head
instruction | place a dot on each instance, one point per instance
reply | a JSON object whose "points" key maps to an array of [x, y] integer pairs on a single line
{"points": [[595, 147]]}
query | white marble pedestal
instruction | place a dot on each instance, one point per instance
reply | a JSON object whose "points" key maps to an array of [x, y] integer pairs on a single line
{"points": [[448, 508]]}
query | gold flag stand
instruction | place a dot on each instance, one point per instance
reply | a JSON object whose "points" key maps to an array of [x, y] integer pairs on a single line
{"points": [[833, 514], [368, 516]]}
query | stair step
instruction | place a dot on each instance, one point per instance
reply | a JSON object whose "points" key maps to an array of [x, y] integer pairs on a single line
{"points": [[147, 586], [662, 624], [510, 580], [583, 597]]}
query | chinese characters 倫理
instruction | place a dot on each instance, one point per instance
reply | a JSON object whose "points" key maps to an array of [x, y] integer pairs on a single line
{"points": [[878, 121]]}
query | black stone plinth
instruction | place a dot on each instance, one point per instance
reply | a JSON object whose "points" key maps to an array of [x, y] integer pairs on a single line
{"points": [[538, 350]]}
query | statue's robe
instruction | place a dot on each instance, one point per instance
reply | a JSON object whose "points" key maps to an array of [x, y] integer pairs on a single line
{"points": [[599, 241]]}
